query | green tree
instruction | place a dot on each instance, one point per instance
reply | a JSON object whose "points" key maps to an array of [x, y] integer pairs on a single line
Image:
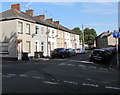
{"points": [[89, 36], [78, 31]]}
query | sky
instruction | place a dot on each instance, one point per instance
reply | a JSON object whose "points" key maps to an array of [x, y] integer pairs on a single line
{"points": [[101, 16]]}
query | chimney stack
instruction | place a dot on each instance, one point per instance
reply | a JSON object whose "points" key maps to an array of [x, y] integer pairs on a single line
{"points": [[15, 6], [56, 22], [51, 20], [30, 12], [41, 16]]}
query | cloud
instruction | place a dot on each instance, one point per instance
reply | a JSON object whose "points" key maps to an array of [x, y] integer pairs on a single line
{"points": [[105, 8]]}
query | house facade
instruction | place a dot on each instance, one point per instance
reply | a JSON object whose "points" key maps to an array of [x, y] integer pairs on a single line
{"points": [[105, 39], [26, 33]]}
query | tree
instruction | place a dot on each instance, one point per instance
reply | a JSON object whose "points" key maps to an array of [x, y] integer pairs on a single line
{"points": [[78, 31], [89, 36]]}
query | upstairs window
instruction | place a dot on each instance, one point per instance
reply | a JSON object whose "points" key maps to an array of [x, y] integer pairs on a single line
{"points": [[27, 28], [52, 33], [36, 30], [42, 30], [20, 27]]}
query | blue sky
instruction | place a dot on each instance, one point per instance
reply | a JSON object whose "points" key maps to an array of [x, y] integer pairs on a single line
{"points": [[102, 16]]}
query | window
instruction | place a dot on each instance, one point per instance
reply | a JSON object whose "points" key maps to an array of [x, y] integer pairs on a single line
{"points": [[27, 28], [3, 47], [20, 27], [28, 47], [36, 30], [42, 46], [42, 30], [52, 33], [52, 46], [36, 45]]}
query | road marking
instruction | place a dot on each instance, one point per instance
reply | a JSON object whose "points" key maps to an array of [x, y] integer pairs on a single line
{"points": [[109, 87], [93, 85], [82, 61], [92, 67], [82, 66], [63, 63], [23, 75], [49, 82], [103, 69]]}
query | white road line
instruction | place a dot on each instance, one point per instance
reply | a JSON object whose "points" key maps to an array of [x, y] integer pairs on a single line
{"points": [[109, 87], [93, 85], [11, 74], [92, 67], [23, 75], [82, 61], [82, 66]]}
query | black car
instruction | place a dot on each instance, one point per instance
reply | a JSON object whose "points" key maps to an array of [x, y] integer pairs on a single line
{"points": [[70, 52], [99, 55], [58, 52]]}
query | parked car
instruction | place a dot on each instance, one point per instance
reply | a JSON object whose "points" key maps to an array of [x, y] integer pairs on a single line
{"points": [[74, 50], [59, 52], [70, 52], [99, 55], [80, 51], [111, 51]]}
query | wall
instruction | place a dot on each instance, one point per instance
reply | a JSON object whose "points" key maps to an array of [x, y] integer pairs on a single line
{"points": [[9, 35]]}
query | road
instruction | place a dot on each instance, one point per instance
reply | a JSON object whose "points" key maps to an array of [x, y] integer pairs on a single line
{"points": [[70, 75]]}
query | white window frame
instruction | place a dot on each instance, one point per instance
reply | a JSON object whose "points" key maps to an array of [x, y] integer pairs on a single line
{"points": [[36, 30], [28, 28], [20, 27]]}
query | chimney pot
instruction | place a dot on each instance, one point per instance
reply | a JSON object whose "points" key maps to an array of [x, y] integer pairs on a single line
{"points": [[15, 6], [56, 22], [41, 16], [51, 20], [30, 12]]}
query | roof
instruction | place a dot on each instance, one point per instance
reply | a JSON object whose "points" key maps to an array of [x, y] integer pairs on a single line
{"points": [[16, 14], [104, 34]]}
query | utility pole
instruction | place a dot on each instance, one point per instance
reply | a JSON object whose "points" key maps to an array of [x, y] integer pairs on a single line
{"points": [[83, 36]]}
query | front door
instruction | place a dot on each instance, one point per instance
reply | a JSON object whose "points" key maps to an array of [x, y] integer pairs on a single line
{"points": [[20, 51]]}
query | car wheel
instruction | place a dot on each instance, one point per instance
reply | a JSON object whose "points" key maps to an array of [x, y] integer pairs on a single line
{"points": [[90, 60]]}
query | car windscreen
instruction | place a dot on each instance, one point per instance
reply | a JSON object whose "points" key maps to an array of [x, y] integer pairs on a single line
{"points": [[98, 52]]}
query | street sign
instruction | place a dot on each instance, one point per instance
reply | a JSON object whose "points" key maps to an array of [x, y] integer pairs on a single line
{"points": [[116, 34]]}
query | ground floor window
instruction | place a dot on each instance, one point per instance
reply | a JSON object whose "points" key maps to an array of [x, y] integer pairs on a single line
{"points": [[42, 46], [28, 46], [3, 47]]}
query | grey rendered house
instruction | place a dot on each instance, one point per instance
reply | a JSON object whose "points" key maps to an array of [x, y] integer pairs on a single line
{"points": [[105, 39]]}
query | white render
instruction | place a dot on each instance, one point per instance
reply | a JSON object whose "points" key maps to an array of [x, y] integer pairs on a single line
{"points": [[52, 39]]}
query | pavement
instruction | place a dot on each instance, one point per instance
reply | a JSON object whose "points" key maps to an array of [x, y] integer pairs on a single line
{"points": [[114, 64]]}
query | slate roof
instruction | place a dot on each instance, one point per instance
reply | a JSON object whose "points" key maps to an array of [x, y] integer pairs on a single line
{"points": [[15, 14], [104, 34]]}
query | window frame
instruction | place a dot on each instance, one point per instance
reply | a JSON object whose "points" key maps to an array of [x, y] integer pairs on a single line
{"points": [[28, 31], [29, 48], [20, 24]]}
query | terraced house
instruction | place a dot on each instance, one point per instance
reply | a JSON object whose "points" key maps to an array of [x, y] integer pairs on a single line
{"points": [[22, 32]]}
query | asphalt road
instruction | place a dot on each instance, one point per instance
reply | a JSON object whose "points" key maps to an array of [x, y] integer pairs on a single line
{"points": [[70, 75]]}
